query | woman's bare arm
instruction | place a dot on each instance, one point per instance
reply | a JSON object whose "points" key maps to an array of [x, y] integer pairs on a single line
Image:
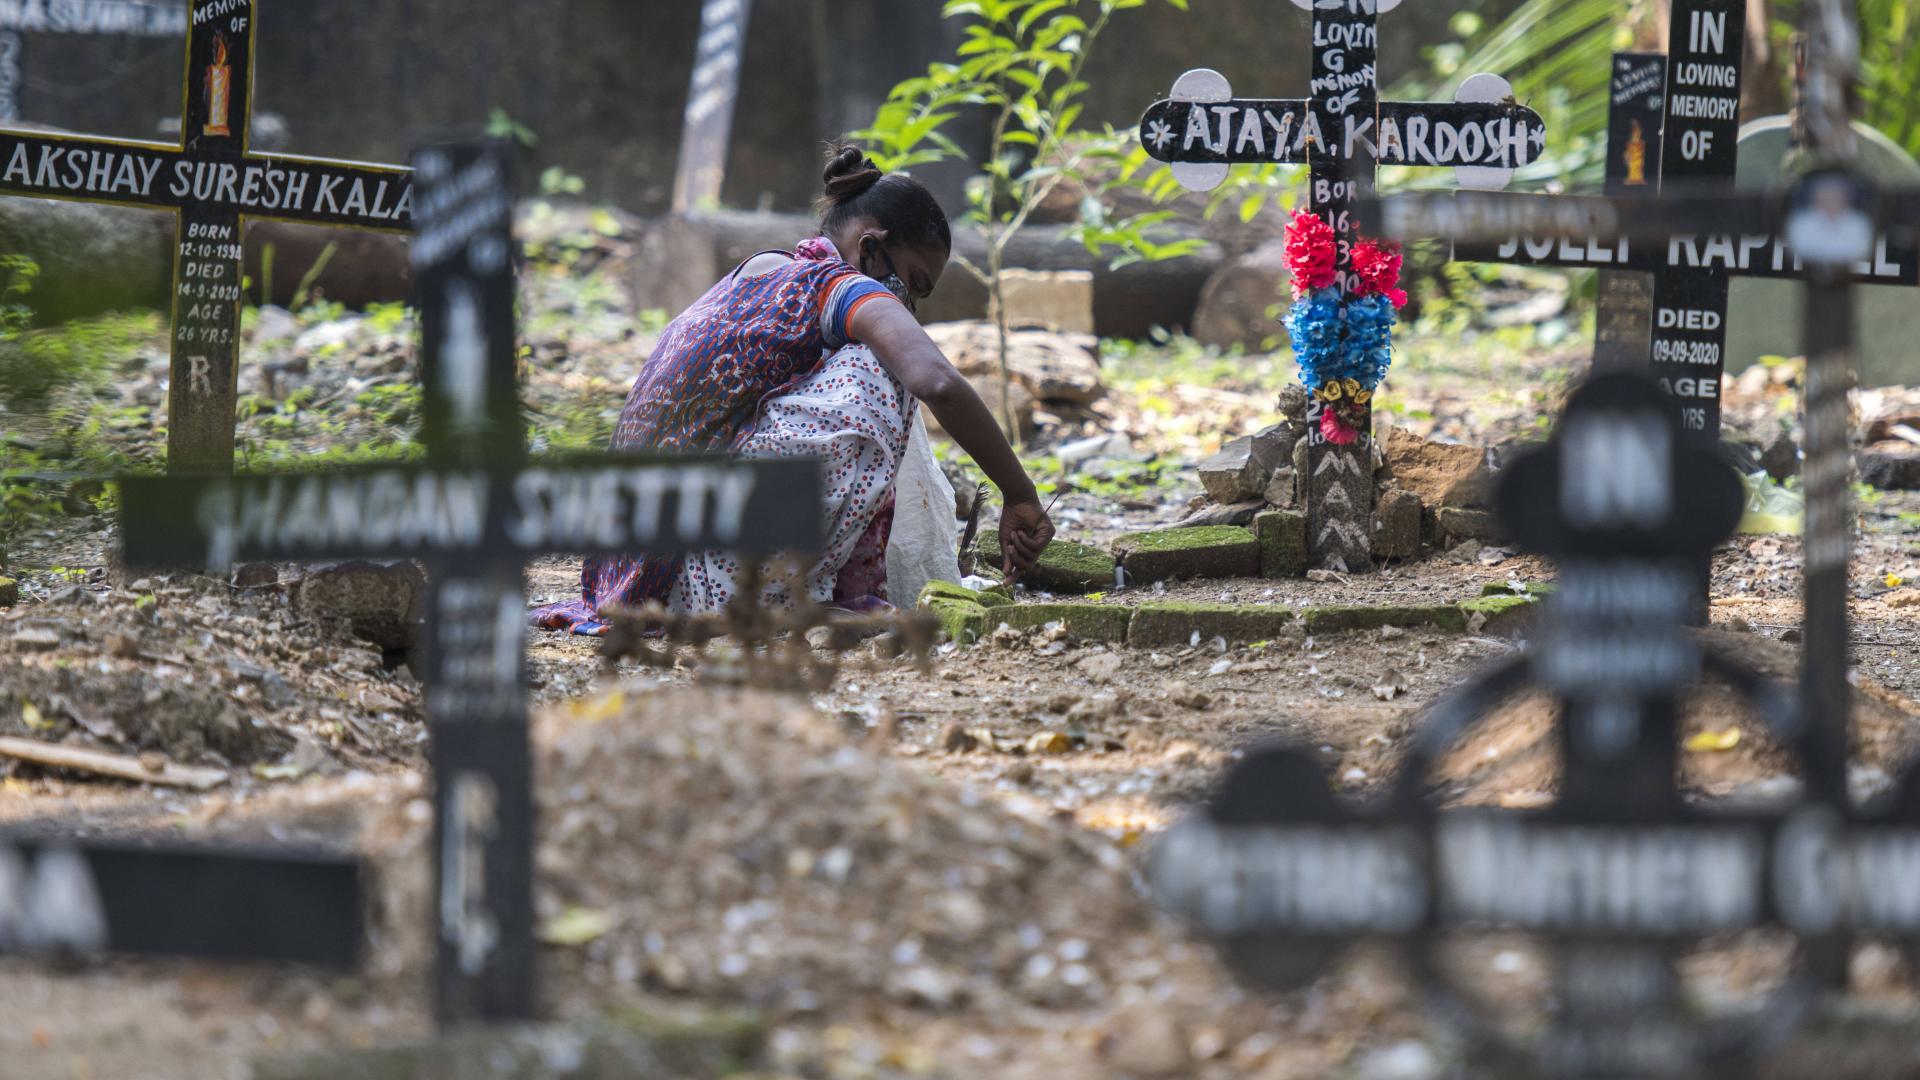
{"points": [[911, 356]]}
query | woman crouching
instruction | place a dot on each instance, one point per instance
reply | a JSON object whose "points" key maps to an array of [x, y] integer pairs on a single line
{"points": [[812, 353]]}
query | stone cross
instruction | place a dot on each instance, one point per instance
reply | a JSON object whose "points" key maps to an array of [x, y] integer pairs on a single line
{"points": [[1340, 132], [1621, 873], [712, 93], [475, 512], [137, 18], [213, 183]]}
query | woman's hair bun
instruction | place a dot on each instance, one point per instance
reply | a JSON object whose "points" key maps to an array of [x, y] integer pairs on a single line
{"points": [[849, 174]]}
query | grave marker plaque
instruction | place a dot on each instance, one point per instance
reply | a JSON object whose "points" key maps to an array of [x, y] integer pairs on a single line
{"points": [[1699, 143], [475, 511], [1341, 131], [1621, 874], [133, 18], [1636, 95], [1624, 296], [213, 183], [712, 93]]}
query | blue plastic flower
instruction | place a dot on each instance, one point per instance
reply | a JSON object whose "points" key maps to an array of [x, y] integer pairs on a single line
{"points": [[1333, 339]]}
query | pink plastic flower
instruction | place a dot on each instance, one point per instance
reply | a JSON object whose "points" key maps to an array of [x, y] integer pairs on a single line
{"points": [[1336, 430], [1377, 267], [1310, 253]]}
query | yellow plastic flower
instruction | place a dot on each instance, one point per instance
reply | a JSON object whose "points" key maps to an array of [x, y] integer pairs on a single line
{"points": [[1361, 397], [1352, 385], [1331, 391]]}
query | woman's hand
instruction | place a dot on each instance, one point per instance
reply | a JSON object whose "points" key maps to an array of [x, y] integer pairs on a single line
{"points": [[906, 351], [1025, 532]]}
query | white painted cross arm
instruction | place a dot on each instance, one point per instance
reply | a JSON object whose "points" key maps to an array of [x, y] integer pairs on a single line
{"points": [[1201, 128]]}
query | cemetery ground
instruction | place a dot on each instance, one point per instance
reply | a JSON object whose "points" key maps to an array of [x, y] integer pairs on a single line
{"points": [[913, 873]]}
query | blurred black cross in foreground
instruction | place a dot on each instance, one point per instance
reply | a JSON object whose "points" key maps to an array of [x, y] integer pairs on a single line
{"points": [[475, 512], [1341, 131], [1618, 877], [213, 183]]}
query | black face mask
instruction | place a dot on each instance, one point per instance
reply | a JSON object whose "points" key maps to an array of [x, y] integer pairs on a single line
{"points": [[893, 282]]}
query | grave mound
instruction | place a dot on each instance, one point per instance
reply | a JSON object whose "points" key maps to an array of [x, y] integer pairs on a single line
{"points": [[735, 846], [1511, 760], [182, 668]]}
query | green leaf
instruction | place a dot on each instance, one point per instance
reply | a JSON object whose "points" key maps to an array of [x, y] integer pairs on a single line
{"points": [[1037, 12], [912, 133], [1058, 30], [1028, 79]]}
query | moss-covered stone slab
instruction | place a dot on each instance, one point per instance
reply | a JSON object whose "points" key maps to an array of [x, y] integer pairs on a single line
{"points": [[964, 623], [1324, 620], [1089, 622], [1065, 567], [1170, 625], [1208, 551], [1282, 535], [1524, 588], [9, 592], [947, 590], [1505, 614]]}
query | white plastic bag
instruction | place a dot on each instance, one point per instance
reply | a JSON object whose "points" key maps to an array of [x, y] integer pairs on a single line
{"points": [[925, 543]]}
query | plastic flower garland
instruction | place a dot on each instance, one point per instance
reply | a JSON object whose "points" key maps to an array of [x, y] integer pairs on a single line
{"points": [[1343, 344]]}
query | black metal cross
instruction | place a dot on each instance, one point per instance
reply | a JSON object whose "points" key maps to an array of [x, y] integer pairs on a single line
{"points": [[475, 511], [1691, 266], [214, 184], [1341, 132], [1621, 873]]}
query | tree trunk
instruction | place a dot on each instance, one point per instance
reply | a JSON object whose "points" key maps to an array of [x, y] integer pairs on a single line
{"points": [[999, 312], [1762, 82]]}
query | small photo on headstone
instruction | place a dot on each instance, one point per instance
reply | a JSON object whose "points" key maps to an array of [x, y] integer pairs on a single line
{"points": [[1827, 220]]}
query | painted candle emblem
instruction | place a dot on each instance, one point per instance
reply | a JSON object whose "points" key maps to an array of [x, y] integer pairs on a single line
{"points": [[1636, 156], [219, 89]]}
